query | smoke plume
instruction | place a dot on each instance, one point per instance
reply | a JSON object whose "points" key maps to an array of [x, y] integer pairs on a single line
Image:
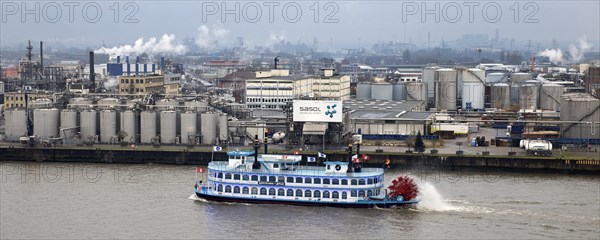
{"points": [[555, 55], [575, 54], [209, 37], [163, 46], [577, 51]]}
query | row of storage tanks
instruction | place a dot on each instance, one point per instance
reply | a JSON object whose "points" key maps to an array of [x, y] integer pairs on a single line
{"points": [[167, 127], [444, 86]]}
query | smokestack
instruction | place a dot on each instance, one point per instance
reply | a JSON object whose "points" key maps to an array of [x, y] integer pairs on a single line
{"points": [[145, 68], [128, 67], [162, 64], [92, 73], [137, 66], [118, 59], [153, 68], [42, 56]]}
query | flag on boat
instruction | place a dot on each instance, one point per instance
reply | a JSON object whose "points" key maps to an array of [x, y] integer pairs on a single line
{"points": [[322, 155], [355, 159], [199, 170], [366, 157], [312, 159], [217, 148]]}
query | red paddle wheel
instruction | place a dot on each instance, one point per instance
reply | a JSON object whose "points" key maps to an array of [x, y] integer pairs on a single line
{"points": [[403, 186]]}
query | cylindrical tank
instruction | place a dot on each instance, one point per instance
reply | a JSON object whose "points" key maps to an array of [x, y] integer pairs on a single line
{"points": [[429, 78], [89, 125], [445, 90], [473, 75], [363, 91], [168, 127], [520, 77], [550, 96], [129, 126], [108, 103], [81, 103], [515, 89], [538, 145], [45, 122], [528, 96], [148, 126], [16, 124], [399, 91], [40, 103], [496, 77], [473, 93], [382, 92], [188, 127], [582, 108], [209, 127], [108, 126], [166, 104], [196, 105], [68, 119], [500, 96], [416, 91], [223, 125]]}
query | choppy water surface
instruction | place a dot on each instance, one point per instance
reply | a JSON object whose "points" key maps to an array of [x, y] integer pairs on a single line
{"points": [[49, 200]]}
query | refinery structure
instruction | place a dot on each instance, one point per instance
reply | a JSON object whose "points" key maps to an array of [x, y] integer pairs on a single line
{"points": [[155, 100]]}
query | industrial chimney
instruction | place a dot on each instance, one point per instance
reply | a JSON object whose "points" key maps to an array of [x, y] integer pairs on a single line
{"points": [[41, 56], [92, 73]]}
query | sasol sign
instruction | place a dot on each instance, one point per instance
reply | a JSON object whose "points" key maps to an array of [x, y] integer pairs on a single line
{"points": [[317, 111]]}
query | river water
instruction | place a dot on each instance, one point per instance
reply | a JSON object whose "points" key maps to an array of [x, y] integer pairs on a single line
{"points": [[55, 200]]}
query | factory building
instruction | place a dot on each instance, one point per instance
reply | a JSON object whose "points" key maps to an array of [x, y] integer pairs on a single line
{"points": [[141, 84], [330, 86], [592, 80], [17, 99], [385, 117]]}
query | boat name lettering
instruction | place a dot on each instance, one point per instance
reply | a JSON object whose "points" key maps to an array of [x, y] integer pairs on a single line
{"points": [[272, 183]]}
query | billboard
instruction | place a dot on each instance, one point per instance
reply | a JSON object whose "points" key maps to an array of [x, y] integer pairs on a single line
{"points": [[317, 111]]}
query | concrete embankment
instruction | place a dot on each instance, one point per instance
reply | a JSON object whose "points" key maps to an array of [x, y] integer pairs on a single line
{"points": [[203, 156]]}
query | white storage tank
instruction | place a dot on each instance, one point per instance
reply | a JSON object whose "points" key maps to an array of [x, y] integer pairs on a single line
{"points": [[580, 107], [363, 91], [496, 77], [168, 127], [108, 126], [528, 96], [209, 127], [16, 124], [550, 96], [382, 92], [473, 92], [223, 127], [68, 119], [399, 91], [129, 125], [428, 77], [515, 89], [500, 96], [416, 91], [520, 77], [148, 126], [445, 89], [88, 122], [45, 123], [188, 127]]}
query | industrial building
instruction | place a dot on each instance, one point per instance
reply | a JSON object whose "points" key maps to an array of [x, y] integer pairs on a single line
{"points": [[385, 117], [142, 84], [592, 80]]}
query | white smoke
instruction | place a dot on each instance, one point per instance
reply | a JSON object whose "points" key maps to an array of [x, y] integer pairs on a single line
{"points": [[164, 46], [209, 37], [276, 38], [111, 83], [555, 55], [577, 52]]}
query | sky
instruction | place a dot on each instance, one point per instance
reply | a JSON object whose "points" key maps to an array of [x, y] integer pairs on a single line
{"points": [[348, 24]]}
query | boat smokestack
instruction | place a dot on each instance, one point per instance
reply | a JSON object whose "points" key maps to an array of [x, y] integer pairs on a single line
{"points": [[350, 168], [256, 165]]}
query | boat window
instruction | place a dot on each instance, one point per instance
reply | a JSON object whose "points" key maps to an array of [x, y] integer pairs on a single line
{"points": [[280, 192], [307, 180], [307, 193], [361, 193], [254, 178], [290, 179], [298, 193], [369, 193], [272, 179], [275, 165], [220, 188], [263, 191], [298, 180], [271, 191], [317, 194], [317, 181], [344, 195], [344, 182], [375, 180], [281, 179], [263, 178], [361, 181], [290, 193], [354, 182], [254, 190], [335, 194], [236, 176], [228, 188], [353, 193], [328, 167], [245, 190], [326, 181], [236, 189], [325, 194], [245, 177], [370, 181], [227, 175], [335, 181], [220, 175]]}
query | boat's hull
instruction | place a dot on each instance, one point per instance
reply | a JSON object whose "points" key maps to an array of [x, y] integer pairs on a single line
{"points": [[359, 204]]}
